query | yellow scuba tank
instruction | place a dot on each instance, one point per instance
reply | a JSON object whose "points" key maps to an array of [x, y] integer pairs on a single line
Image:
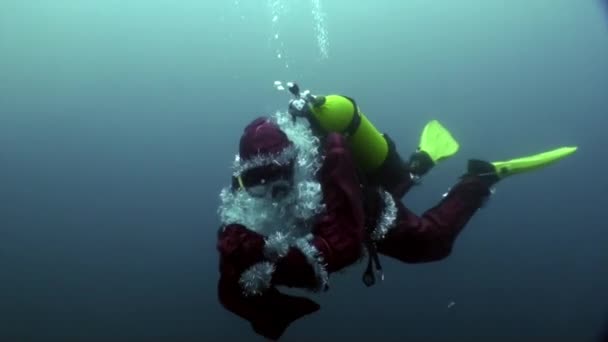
{"points": [[340, 114]]}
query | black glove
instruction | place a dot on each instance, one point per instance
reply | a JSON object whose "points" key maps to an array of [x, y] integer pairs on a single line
{"points": [[483, 170], [278, 311], [420, 163]]}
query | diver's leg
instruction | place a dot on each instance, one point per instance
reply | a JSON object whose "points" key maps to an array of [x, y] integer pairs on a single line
{"points": [[397, 176], [430, 237]]}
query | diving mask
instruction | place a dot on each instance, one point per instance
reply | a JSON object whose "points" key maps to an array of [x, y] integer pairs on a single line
{"points": [[271, 180]]}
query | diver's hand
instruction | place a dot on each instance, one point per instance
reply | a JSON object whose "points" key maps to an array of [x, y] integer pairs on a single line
{"points": [[240, 247], [420, 163], [279, 311]]}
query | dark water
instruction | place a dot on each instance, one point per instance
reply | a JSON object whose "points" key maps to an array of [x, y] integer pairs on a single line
{"points": [[119, 121]]}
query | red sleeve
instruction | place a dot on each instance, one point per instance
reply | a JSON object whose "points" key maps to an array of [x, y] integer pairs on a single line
{"points": [[270, 312], [338, 234]]}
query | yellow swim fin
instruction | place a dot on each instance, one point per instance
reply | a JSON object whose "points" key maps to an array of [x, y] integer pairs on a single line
{"points": [[437, 141], [530, 163]]}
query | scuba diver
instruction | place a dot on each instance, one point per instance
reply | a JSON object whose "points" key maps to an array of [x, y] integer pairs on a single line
{"points": [[318, 188]]}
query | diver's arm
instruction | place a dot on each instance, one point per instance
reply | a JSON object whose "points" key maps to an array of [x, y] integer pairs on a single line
{"points": [[258, 263], [270, 313], [343, 225], [338, 236]]}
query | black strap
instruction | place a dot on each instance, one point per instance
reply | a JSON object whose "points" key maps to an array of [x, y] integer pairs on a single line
{"points": [[370, 204], [369, 277], [355, 122]]}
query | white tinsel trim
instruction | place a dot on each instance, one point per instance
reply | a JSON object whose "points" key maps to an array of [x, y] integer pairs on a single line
{"points": [[282, 158], [315, 259], [257, 278], [277, 246], [387, 217]]}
